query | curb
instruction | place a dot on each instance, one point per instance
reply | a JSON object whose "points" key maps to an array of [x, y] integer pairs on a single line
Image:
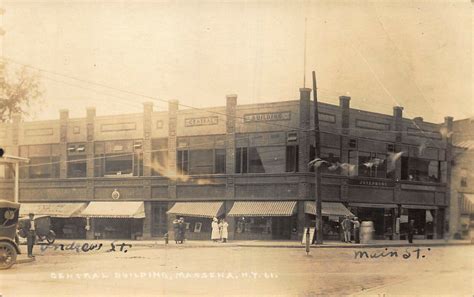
{"points": [[303, 246]]}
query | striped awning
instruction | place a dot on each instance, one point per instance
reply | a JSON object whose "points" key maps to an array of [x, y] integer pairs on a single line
{"points": [[115, 209], [412, 206], [58, 210], [263, 209], [198, 209], [467, 203], [328, 209], [374, 205]]}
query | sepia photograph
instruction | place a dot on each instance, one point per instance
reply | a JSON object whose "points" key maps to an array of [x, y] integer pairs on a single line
{"points": [[236, 148]]}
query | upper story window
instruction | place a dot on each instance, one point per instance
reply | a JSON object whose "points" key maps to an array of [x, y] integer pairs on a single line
{"points": [[424, 170], [76, 160], [44, 161], [272, 152], [368, 164], [201, 155], [119, 158], [331, 155]]}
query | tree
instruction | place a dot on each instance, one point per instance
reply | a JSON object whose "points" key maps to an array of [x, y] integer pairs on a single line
{"points": [[18, 92]]}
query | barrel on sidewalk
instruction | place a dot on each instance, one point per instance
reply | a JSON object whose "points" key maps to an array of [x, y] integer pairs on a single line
{"points": [[366, 232]]}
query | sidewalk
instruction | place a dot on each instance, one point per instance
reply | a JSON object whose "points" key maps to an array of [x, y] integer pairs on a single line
{"points": [[265, 243]]}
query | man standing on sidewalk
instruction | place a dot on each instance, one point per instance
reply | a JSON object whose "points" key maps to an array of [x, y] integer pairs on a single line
{"points": [[356, 229], [30, 230], [346, 228], [411, 230]]}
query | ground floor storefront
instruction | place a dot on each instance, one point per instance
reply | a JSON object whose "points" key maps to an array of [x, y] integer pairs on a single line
{"points": [[247, 220]]}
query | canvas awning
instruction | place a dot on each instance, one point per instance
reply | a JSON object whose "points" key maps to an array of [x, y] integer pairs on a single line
{"points": [[412, 206], [263, 209], [198, 209], [374, 205], [467, 203], [58, 210], [115, 209], [328, 209]]}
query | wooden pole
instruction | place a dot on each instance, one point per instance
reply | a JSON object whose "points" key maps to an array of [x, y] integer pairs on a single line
{"points": [[317, 173]]}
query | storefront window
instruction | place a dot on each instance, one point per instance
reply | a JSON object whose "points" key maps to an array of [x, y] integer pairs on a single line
{"points": [[258, 225]]}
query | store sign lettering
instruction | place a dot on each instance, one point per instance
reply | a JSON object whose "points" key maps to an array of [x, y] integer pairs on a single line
{"points": [[267, 116], [204, 121], [374, 183]]}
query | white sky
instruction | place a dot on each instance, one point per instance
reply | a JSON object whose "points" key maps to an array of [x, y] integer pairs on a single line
{"points": [[415, 54]]}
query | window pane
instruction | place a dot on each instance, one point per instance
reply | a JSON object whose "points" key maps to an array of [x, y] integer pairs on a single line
{"points": [[77, 166], [99, 162], [220, 155], [423, 170], [201, 161], [138, 164], [40, 167], [238, 160], [118, 164], [267, 159], [182, 162], [159, 161], [332, 156], [292, 158]]}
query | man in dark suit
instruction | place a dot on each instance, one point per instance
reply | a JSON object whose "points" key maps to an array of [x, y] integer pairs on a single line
{"points": [[30, 230], [411, 230]]}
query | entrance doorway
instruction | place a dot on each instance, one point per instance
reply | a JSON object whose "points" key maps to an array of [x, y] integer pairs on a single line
{"points": [[159, 221]]}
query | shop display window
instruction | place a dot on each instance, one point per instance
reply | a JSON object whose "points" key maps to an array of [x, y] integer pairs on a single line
{"points": [[258, 225]]}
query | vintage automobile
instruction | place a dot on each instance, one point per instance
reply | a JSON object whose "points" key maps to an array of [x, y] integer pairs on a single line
{"points": [[43, 229], [9, 212]]}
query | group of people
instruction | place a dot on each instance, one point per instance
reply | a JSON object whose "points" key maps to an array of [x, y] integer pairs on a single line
{"points": [[351, 226], [179, 227], [219, 230]]}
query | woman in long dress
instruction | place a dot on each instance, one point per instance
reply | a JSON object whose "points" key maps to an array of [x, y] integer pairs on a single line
{"points": [[215, 230], [223, 228]]}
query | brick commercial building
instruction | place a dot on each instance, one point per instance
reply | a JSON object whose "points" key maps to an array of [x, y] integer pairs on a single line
{"points": [[462, 179], [129, 176]]}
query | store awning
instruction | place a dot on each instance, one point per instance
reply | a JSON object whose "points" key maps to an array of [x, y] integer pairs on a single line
{"points": [[198, 209], [116, 209], [328, 209], [263, 209], [412, 206], [467, 203], [58, 210], [374, 205]]}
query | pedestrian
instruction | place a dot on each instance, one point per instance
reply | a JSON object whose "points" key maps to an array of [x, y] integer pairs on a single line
{"points": [[411, 230], [223, 225], [356, 225], [182, 230], [30, 230], [346, 228], [176, 230], [215, 230]]}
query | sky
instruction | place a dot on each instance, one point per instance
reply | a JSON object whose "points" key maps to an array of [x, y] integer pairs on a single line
{"points": [[115, 55]]}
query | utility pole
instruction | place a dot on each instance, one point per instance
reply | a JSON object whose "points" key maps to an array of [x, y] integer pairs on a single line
{"points": [[317, 173]]}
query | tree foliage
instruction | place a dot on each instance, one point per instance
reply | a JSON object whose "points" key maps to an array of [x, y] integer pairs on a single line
{"points": [[19, 91]]}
